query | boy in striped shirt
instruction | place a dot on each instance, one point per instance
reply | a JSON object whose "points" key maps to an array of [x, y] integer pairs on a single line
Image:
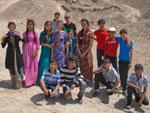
{"points": [[70, 78]]}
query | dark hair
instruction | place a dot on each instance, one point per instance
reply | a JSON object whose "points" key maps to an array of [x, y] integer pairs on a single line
{"points": [[139, 66], [59, 21], [57, 13], [11, 23], [84, 20], [53, 61], [106, 61], [71, 59], [69, 30], [123, 31], [46, 24], [101, 21], [28, 21]]}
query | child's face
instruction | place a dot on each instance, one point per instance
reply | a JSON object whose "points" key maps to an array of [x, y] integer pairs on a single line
{"points": [[84, 25], [70, 34], [12, 27], [71, 65], [59, 26], [57, 17], [30, 26], [138, 72], [106, 66], [112, 34], [53, 66], [123, 35], [48, 27], [101, 25]]}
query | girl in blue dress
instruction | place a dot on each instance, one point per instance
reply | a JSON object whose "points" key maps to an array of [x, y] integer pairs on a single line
{"points": [[46, 49]]}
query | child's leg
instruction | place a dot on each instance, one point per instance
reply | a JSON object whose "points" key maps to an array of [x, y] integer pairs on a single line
{"points": [[109, 85], [130, 91], [99, 78], [123, 70], [99, 57], [66, 91], [83, 86], [137, 98], [114, 63]]}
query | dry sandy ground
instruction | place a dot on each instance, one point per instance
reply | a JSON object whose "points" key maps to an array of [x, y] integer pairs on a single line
{"points": [[131, 14]]}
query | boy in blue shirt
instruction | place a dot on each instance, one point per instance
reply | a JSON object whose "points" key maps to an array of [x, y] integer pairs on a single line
{"points": [[125, 57], [137, 85], [50, 81]]}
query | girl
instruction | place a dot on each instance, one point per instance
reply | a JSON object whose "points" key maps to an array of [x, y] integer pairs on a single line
{"points": [[13, 61], [46, 49], [71, 46], [85, 42], [59, 41], [30, 54]]}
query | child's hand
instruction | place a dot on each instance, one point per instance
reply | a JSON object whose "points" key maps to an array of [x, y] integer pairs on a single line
{"points": [[73, 86], [53, 94]]}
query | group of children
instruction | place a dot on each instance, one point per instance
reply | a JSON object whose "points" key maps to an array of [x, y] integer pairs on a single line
{"points": [[66, 59]]}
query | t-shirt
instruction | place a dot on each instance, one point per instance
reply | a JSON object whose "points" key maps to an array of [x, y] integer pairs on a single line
{"points": [[111, 46], [110, 75], [70, 75], [142, 82], [124, 54], [70, 26], [101, 36], [51, 80]]}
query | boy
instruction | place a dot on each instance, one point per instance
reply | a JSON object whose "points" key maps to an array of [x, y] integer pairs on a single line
{"points": [[137, 85], [71, 78], [54, 22], [50, 80], [125, 57], [108, 76], [101, 35], [111, 47]]}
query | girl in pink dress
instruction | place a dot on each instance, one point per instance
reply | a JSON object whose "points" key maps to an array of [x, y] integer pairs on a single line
{"points": [[30, 54]]}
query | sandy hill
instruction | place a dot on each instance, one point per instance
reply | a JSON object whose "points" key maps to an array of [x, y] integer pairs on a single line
{"points": [[131, 14]]}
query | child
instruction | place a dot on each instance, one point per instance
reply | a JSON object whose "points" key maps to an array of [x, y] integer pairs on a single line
{"points": [[13, 61], [30, 50], [50, 80], [125, 57], [46, 49], [101, 35], [71, 46], [108, 76], [71, 78], [111, 46], [137, 85]]}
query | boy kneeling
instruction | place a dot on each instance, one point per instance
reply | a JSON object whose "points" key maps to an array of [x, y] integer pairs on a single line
{"points": [[108, 76], [50, 81], [137, 85], [70, 78]]}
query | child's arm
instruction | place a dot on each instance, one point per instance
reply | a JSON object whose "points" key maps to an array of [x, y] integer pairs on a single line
{"points": [[133, 86], [44, 87], [55, 91], [131, 57], [142, 95], [116, 84]]}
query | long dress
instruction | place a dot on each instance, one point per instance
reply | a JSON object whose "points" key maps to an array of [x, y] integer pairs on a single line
{"points": [[85, 63], [13, 60], [45, 56], [30, 64], [59, 41]]}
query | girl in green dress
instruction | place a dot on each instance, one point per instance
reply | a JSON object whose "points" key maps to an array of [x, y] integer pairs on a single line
{"points": [[46, 49]]}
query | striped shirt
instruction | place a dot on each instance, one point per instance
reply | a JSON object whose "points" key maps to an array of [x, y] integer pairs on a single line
{"points": [[70, 75], [142, 82], [51, 80]]}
